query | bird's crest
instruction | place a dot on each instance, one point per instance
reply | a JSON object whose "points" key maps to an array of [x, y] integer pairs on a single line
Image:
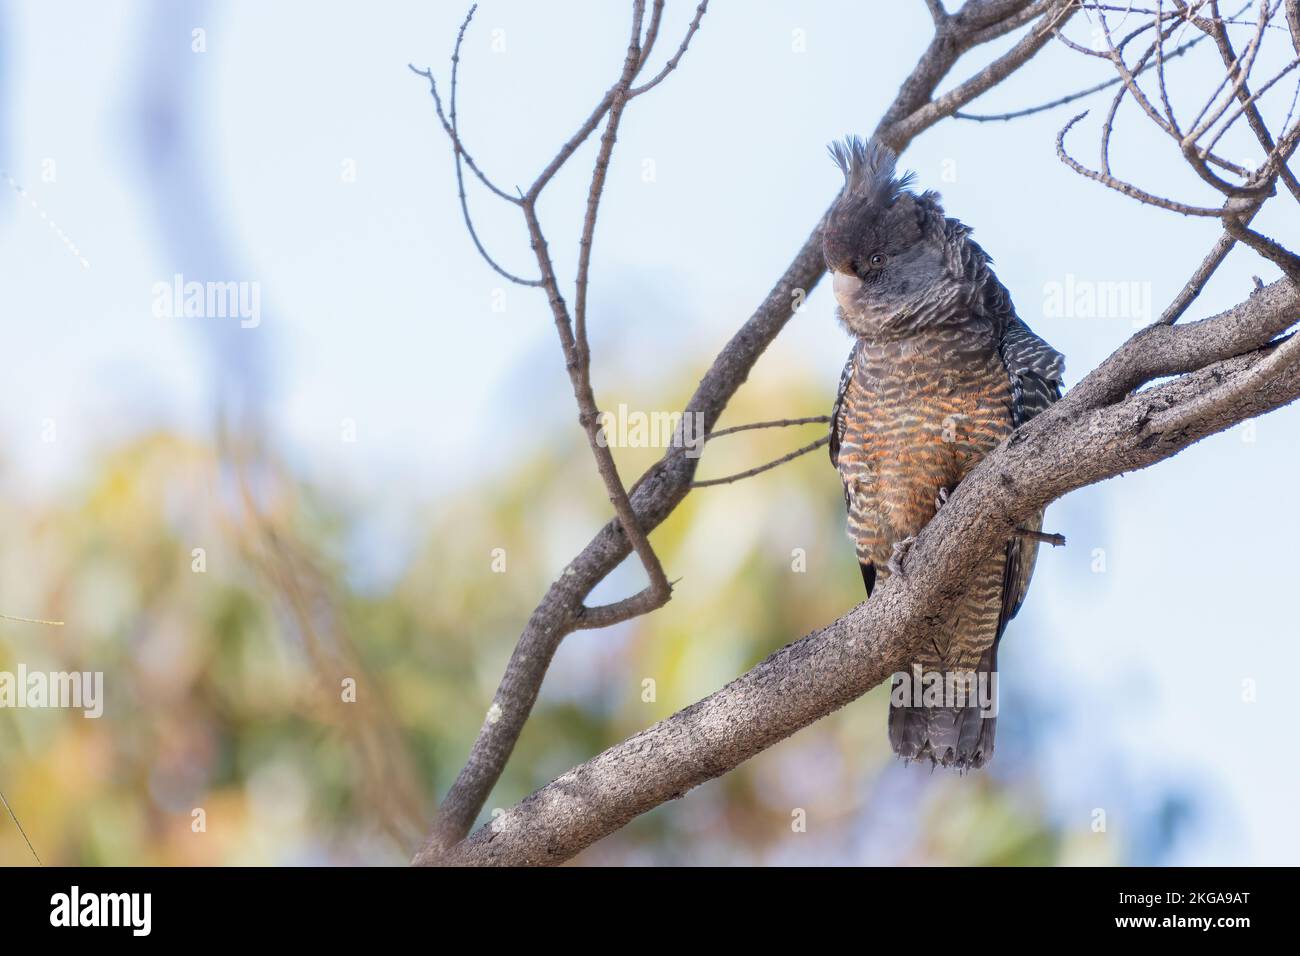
{"points": [[869, 170]]}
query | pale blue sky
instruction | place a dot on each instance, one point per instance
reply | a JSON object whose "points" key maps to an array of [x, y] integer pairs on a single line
{"points": [[376, 308]]}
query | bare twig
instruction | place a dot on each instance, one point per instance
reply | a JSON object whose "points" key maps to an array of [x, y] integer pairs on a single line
{"points": [[1187, 295], [1217, 30], [811, 446], [676, 57], [572, 330], [1270, 249], [463, 158], [651, 34], [573, 333], [1071, 97], [1128, 189], [1243, 200], [1045, 537], [30, 620], [778, 423], [14, 818]]}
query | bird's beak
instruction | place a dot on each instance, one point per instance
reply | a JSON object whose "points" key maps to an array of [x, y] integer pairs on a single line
{"points": [[845, 285]]}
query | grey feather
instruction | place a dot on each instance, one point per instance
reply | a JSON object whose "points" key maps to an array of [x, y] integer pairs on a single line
{"points": [[869, 170], [837, 420]]}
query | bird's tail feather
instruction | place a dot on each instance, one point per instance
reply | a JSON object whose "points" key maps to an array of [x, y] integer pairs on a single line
{"points": [[950, 736]]}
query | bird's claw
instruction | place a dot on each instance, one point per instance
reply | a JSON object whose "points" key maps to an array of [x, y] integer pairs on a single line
{"points": [[896, 559], [942, 499]]}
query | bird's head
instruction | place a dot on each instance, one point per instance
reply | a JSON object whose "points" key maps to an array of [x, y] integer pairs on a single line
{"points": [[882, 246]]}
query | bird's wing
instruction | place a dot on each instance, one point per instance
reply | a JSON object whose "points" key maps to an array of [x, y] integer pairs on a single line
{"points": [[838, 427], [1036, 369], [1037, 372], [837, 419]]}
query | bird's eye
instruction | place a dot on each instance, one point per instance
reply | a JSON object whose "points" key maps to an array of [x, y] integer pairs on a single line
{"points": [[878, 260]]}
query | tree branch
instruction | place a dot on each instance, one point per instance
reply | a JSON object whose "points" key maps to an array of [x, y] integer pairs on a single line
{"points": [[758, 470], [1075, 443], [658, 492]]}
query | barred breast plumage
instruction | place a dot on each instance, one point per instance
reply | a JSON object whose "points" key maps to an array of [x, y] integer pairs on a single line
{"points": [[942, 371]]}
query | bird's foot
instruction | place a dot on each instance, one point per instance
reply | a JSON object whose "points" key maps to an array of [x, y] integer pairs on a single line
{"points": [[942, 498], [896, 559]]}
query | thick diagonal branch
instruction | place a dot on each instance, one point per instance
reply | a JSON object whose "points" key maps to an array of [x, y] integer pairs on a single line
{"points": [[1076, 443]]}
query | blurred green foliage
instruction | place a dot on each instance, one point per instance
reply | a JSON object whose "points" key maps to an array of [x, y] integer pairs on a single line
{"points": [[226, 688]]}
